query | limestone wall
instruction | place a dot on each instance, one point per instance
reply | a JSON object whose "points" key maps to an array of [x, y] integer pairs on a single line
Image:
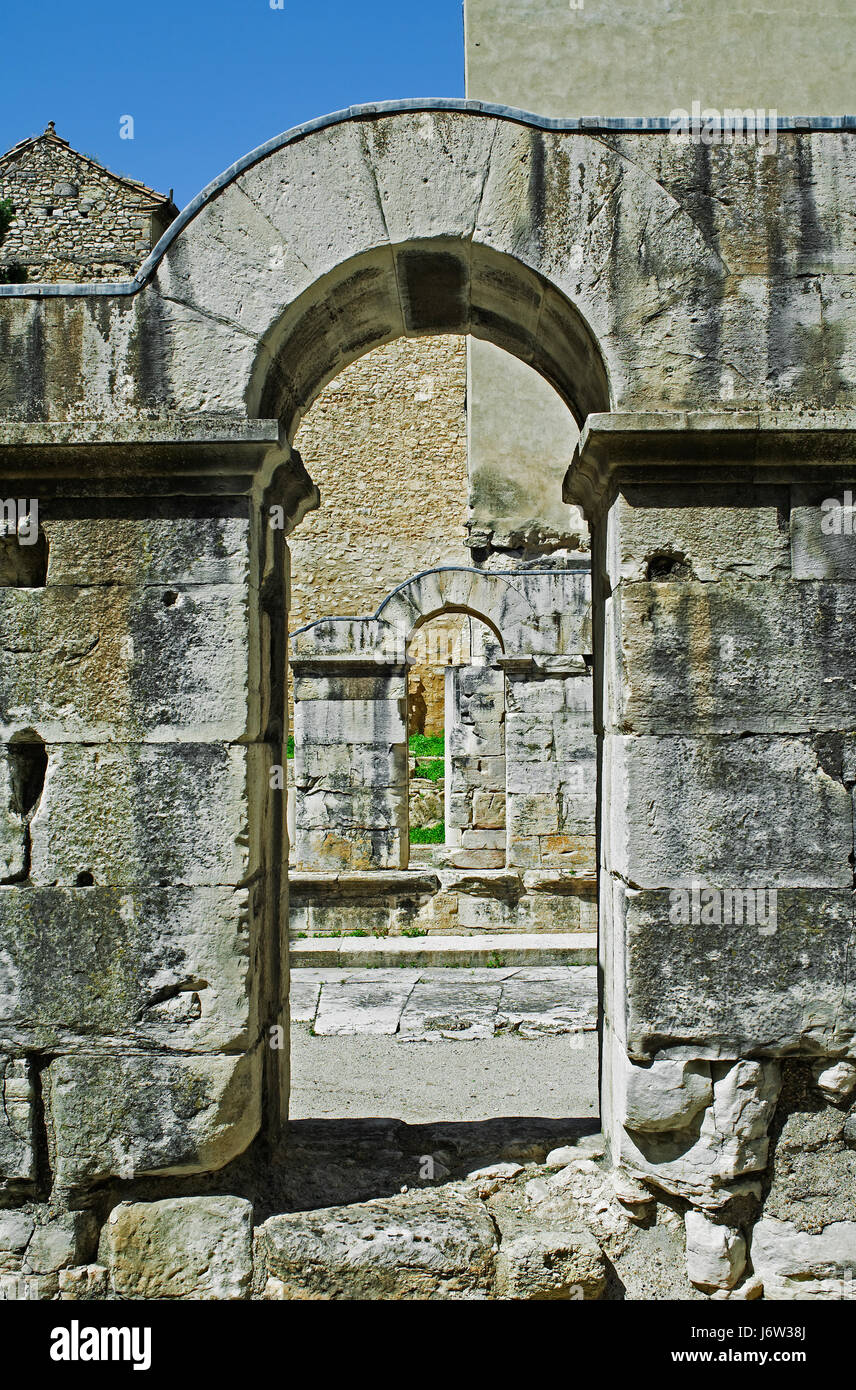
{"points": [[141, 704], [576, 58], [386, 443]]}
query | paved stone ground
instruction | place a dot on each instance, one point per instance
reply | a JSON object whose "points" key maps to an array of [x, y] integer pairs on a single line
{"points": [[469, 1066], [453, 1004]]}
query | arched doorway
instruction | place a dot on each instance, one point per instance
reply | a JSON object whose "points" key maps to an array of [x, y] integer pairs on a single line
{"points": [[456, 743]]}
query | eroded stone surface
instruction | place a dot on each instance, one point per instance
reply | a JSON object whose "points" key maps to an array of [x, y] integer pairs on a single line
{"points": [[408, 1247], [551, 1263], [794, 1264], [716, 1254], [184, 1248]]}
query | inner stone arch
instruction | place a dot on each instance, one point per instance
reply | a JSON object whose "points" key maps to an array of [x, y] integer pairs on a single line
{"points": [[418, 289]]}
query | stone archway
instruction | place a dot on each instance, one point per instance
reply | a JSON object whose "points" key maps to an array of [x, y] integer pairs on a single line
{"points": [[351, 725], [305, 254], [652, 296]]}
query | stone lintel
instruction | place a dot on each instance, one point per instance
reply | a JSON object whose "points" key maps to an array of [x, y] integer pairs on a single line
{"points": [[343, 664], [366, 883], [221, 456], [634, 445], [500, 883], [562, 665]]}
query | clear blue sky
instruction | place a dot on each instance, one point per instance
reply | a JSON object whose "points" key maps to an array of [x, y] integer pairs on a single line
{"points": [[207, 81]]}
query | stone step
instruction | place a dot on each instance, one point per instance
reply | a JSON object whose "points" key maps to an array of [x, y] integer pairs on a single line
{"points": [[542, 948]]}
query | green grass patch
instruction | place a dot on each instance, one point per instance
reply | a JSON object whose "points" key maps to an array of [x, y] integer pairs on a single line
{"points": [[432, 769], [428, 835], [428, 745], [289, 748]]}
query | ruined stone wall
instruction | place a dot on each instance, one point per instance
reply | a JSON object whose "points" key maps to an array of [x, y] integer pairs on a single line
{"points": [[139, 855], [724, 691], [74, 220]]}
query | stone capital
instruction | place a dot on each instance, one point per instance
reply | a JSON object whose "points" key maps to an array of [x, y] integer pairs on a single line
{"points": [[696, 445]]}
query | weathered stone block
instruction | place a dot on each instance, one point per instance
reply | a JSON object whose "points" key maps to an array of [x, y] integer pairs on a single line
{"points": [[114, 663], [524, 851], [172, 967], [17, 1122], [477, 859], [487, 772], [483, 839], [814, 1165], [475, 741], [796, 1264], [326, 766], [731, 1142], [70, 1239], [30, 1288], [716, 1254], [573, 739], [536, 814], [354, 850], [577, 812], [150, 813], [728, 811], [531, 778], [123, 1116], [823, 544], [377, 722], [489, 810], [537, 912], [528, 739], [13, 845], [180, 1248], [450, 156], [746, 657], [728, 531], [305, 181], [83, 1284], [16, 1229], [544, 696], [415, 1246], [836, 1081], [339, 767], [487, 914], [667, 1095], [473, 682], [575, 852], [459, 812], [370, 808], [378, 767], [157, 548], [350, 687], [551, 1262], [245, 242], [728, 985]]}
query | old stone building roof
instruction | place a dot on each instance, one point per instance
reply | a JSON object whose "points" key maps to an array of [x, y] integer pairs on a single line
{"points": [[74, 219]]}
